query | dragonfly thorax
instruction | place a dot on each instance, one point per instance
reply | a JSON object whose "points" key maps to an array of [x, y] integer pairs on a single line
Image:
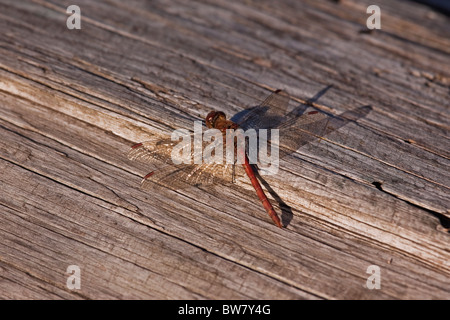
{"points": [[218, 120]]}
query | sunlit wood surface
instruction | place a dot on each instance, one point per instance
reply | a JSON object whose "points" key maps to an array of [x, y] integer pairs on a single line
{"points": [[374, 192]]}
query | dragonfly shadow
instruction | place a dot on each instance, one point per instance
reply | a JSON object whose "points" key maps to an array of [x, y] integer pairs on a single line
{"points": [[319, 94], [273, 120], [286, 211]]}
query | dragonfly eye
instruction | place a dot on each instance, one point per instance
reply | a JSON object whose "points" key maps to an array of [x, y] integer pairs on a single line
{"points": [[212, 117]]}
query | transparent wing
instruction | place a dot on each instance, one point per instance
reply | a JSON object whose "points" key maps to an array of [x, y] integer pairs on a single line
{"points": [[302, 130], [154, 151], [296, 128], [159, 153], [182, 176], [269, 114]]}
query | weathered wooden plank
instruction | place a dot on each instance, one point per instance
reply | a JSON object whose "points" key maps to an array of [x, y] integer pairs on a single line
{"points": [[69, 116], [379, 150], [111, 252], [66, 154], [20, 284], [409, 194]]}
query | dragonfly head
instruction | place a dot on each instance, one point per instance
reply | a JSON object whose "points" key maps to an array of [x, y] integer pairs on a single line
{"points": [[212, 118]]}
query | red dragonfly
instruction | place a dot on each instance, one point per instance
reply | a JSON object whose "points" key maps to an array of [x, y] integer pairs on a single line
{"points": [[295, 129]]}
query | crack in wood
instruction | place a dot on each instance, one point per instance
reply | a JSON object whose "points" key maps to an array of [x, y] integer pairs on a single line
{"points": [[443, 219]]}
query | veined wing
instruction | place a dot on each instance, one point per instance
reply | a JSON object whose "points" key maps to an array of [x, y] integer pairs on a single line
{"points": [[300, 130], [154, 151], [182, 176], [269, 114], [296, 128], [185, 172]]}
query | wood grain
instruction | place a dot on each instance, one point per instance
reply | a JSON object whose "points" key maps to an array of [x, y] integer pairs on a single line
{"points": [[373, 192]]}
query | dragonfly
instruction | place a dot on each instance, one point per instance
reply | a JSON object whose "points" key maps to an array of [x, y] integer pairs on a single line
{"points": [[296, 128]]}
